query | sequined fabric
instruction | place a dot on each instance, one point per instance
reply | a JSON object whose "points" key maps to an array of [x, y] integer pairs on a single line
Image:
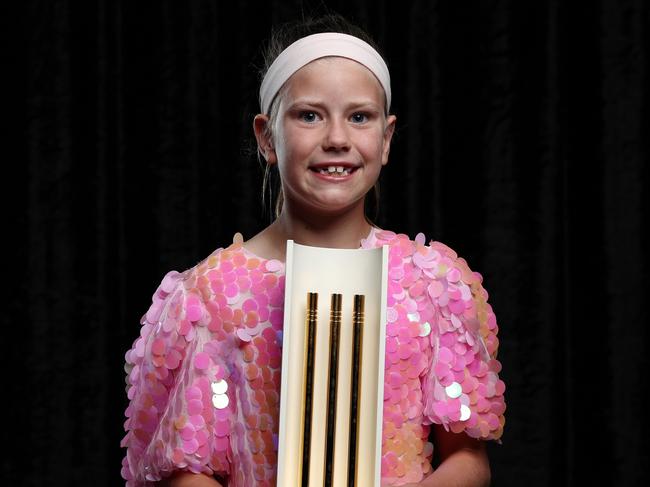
{"points": [[203, 377]]}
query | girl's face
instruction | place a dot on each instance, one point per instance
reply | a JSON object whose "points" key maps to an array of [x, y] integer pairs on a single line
{"points": [[331, 137]]}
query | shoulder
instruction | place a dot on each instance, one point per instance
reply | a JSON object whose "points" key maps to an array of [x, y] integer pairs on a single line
{"points": [[215, 292], [230, 262], [435, 260], [436, 271], [180, 298]]}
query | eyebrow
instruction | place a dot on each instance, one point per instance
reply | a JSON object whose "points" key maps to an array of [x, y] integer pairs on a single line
{"points": [[319, 104]]}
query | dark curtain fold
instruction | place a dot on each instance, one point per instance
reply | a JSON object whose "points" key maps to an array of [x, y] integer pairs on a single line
{"points": [[522, 143]]}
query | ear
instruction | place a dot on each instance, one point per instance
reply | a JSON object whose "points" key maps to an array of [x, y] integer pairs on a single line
{"points": [[264, 139], [388, 136]]}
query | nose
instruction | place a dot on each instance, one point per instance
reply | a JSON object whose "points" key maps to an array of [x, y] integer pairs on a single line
{"points": [[337, 136]]}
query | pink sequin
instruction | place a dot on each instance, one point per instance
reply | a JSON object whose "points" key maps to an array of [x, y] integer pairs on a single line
{"points": [[201, 361], [274, 265]]}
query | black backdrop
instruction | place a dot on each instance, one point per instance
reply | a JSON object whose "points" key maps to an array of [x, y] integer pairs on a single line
{"points": [[522, 143]]}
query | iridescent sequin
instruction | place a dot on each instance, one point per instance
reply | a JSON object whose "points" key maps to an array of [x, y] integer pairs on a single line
{"points": [[203, 377]]}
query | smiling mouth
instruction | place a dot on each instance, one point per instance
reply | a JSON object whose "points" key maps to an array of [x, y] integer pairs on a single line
{"points": [[334, 171]]}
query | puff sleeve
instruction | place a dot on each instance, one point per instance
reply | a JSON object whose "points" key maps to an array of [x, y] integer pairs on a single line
{"points": [[178, 417], [462, 389]]}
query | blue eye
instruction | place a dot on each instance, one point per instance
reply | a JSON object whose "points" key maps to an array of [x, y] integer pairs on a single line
{"points": [[359, 118], [309, 117]]}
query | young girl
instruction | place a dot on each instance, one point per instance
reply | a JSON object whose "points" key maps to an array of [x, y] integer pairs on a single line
{"points": [[204, 375]]}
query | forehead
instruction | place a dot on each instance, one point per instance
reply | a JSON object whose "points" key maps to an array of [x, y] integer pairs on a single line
{"points": [[333, 77]]}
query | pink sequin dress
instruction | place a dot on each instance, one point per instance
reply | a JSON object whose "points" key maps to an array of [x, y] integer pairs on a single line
{"points": [[204, 375]]}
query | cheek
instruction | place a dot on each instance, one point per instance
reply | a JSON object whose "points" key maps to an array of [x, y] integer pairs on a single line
{"points": [[294, 146], [373, 145]]}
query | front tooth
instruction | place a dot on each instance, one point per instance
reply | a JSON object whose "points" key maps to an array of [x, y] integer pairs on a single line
{"points": [[339, 170]]}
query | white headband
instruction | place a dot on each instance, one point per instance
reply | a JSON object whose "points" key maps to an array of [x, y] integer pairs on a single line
{"points": [[316, 46]]}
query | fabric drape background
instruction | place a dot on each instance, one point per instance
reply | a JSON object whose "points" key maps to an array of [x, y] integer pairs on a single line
{"points": [[522, 143]]}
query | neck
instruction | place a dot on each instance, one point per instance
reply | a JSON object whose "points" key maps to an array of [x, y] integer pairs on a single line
{"points": [[342, 231]]}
